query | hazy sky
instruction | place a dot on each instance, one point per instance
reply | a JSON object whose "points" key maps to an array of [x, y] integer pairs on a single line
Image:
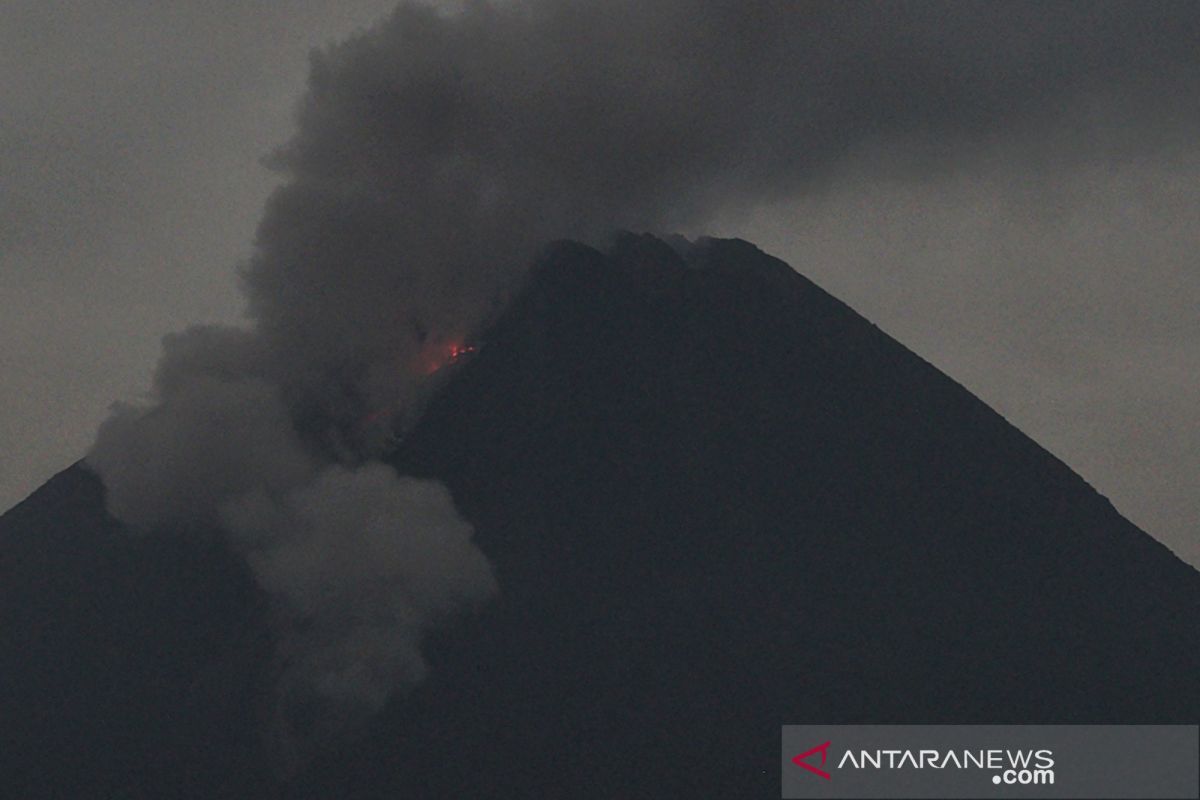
{"points": [[1051, 268]]}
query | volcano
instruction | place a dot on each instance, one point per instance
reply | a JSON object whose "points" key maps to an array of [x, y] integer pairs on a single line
{"points": [[717, 501]]}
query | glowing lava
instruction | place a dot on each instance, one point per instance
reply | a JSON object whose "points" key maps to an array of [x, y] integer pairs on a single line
{"points": [[433, 358], [457, 351], [442, 355]]}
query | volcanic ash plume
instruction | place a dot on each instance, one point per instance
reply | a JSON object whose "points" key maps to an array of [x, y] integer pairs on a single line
{"points": [[358, 560], [434, 154], [364, 560]]}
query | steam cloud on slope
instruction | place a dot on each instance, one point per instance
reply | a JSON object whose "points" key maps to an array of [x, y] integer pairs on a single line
{"points": [[435, 154]]}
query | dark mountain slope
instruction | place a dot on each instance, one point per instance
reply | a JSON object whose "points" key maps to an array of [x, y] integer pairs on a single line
{"points": [[127, 665], [717, 501]]}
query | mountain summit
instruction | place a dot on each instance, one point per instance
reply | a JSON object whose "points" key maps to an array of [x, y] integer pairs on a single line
{"points": [[716, 501]]}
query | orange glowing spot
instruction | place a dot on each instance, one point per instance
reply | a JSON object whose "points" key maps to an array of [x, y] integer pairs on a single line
{"points": [[457, 351], [434, 358]]}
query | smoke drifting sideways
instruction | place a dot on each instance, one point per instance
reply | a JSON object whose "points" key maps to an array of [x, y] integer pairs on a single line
{"points": [[435, 153]]}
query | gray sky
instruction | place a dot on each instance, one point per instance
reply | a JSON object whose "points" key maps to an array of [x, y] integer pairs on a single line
{"points": [[1059, 281], [130, 187]]}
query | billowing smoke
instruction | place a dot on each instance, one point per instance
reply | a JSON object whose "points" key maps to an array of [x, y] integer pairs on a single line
{"points": [[359, 560], [435, 153], [364, 560]]}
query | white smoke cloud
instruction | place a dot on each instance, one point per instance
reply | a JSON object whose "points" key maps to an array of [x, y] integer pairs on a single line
{"points": [[215, 429], [361, 562], [358, 560], [390, 550]]}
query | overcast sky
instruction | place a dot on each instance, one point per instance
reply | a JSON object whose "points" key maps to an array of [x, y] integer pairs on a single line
{"points": [[1059, 282]]}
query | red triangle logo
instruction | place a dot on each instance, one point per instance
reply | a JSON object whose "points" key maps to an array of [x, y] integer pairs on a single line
{"points": [[823, 749]]}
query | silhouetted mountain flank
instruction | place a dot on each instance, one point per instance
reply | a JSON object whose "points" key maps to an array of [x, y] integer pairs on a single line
{"points": [[717, 501]]}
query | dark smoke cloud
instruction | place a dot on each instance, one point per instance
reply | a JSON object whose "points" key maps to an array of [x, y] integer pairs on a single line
{"points": [[436, 152]]}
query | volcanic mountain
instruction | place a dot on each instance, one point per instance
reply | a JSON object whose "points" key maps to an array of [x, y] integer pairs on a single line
{"points": [[716, 500]]}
